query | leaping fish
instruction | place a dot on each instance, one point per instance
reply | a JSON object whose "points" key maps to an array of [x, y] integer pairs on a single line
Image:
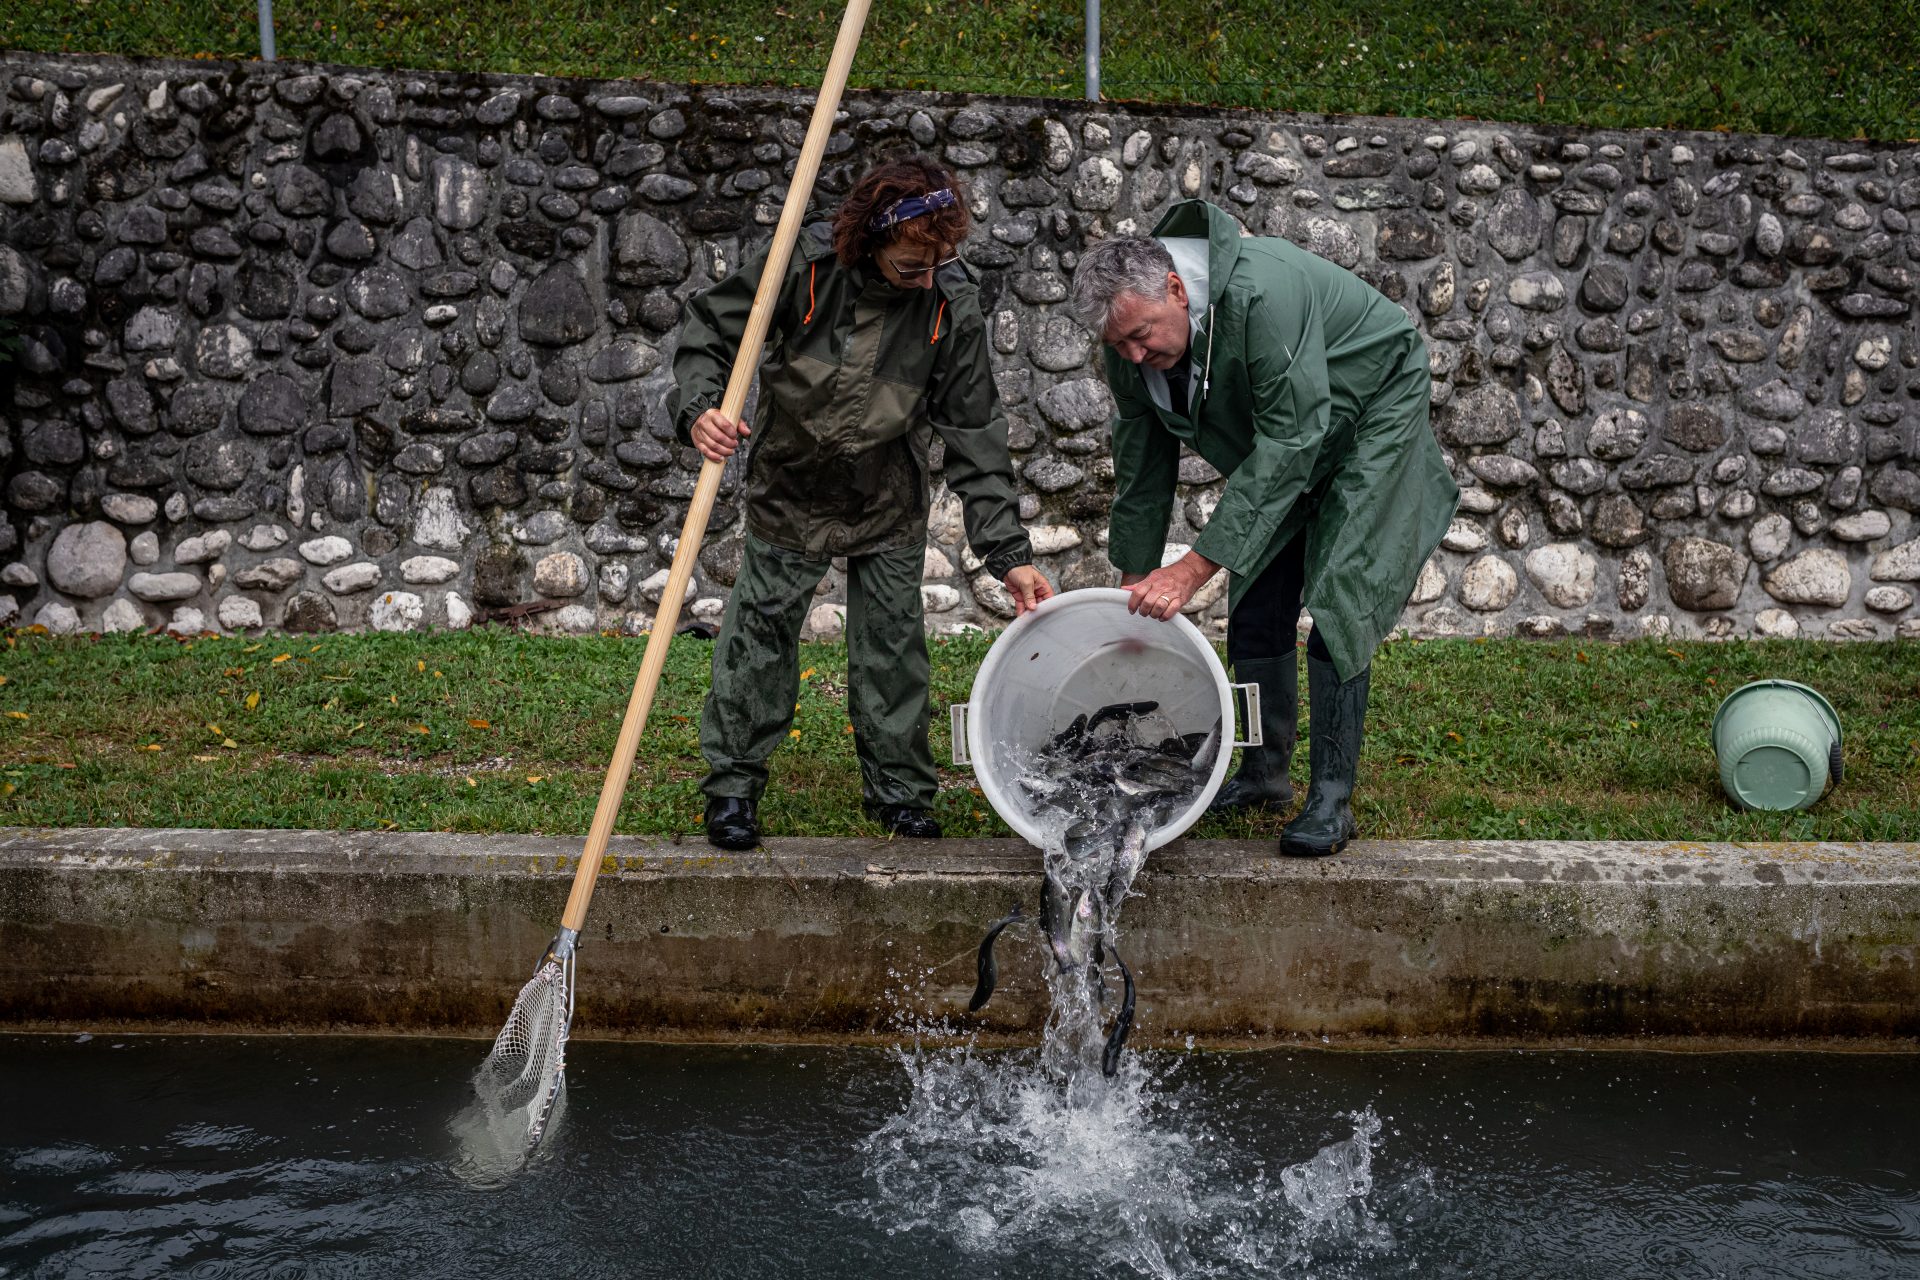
{"points": [[1072, 923], [989, 975], [1122, 1025]]}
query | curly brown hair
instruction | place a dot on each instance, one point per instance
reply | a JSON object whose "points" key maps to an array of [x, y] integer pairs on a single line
{"points": [[853, 236]]}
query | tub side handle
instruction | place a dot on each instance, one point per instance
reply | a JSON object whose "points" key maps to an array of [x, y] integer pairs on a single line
{"points": [[957, 714], [1248, 704]]}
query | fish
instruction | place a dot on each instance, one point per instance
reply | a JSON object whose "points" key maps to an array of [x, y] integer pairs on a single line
{"points": [[1205, 750], [1071, 923], [1146, 774], [1119, 711], [1067, 736], [1129, 856], [989, 975], [1122, 1023], [1087, 837]]}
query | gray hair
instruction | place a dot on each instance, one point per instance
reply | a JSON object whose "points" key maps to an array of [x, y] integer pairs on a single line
{"points": [[1126, 264]]}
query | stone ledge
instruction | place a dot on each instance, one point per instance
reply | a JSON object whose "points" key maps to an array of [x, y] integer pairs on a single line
{"points": [[1394, 943]]}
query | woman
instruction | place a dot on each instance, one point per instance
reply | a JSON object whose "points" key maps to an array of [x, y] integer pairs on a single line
{"points": [[877, 343]]}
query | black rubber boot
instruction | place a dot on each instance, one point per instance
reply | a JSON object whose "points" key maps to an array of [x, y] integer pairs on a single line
{"points": [[732, 823], [905, 820], [1261, 782], [1325, 823]]}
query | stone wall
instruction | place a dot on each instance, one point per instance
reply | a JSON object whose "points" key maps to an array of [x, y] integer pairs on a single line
{"points": [[323, 348]]}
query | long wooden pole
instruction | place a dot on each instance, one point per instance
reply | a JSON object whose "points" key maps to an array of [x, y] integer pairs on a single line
{"points": [[614, 790]]}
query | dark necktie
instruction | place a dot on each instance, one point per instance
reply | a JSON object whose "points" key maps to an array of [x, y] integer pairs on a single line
{"points": [[1179, 380]]}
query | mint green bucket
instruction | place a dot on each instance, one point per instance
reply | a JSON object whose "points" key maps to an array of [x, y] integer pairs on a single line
{"points": [[1778, 743]]}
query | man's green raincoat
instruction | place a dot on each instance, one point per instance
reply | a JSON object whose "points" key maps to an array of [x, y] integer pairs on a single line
{"points": [[1309, 392]]}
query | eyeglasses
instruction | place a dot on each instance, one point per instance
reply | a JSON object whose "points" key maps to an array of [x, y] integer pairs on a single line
{"points": [[917, 273]]}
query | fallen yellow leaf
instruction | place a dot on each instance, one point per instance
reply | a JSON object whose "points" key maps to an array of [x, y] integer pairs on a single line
{"points": [[203, 759], [533, 778], [253, 648], [438, 676], [285, 657], [7, 790], [230, 744], [419, 665], [315, 649], [472, 783], [3, 679], [807, 674], [480, 724], [794, 733], [253, 700], [394, 698], [19, 715], [216, 730], [153, 746], [420, 728], [358, 727]]}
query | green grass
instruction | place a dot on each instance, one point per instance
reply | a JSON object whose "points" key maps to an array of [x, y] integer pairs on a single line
{"points": [[492, 730], [1825, 69]]}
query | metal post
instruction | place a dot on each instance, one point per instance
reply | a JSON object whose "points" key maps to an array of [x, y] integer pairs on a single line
{"points": [[1093, 50], [266, 30]]}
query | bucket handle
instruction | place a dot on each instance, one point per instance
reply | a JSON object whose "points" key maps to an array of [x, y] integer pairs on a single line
{"points": [[1249, 704], [957, 716], [1836, 761]]}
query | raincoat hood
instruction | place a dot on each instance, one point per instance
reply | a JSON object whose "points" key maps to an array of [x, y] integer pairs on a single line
{"points": [[1198, 220]]}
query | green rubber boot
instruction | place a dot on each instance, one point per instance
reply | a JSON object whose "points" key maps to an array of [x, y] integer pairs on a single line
{"points": [[1325, 823], [1261, 781]]}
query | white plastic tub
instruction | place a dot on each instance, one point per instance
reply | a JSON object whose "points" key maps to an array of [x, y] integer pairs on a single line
{"points": [[1076, 653]]}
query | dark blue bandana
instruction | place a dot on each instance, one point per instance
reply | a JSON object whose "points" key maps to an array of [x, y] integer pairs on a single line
{"points": [[905, 210]]}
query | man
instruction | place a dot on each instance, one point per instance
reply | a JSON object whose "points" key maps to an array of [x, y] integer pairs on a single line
{"points": [[877, 344], [1308, 391]]}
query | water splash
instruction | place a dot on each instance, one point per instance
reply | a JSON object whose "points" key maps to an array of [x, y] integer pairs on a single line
{"points": [[1039, 1153], [1006, 1154]]}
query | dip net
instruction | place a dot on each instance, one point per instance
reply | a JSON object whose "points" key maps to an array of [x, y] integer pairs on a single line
{"points": [[519, 1088]]}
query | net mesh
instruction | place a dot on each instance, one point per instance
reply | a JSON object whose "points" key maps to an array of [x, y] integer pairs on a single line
{"points": [[520, 1084]]}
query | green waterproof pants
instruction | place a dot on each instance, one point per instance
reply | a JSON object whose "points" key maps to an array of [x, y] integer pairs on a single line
{"points": [[756, 673]]}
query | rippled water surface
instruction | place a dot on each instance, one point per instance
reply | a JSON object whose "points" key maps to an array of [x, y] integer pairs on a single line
{"points": [[133, 1156]]}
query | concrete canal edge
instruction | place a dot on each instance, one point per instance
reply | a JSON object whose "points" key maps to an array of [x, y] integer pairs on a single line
{"points": [[1409, 943]]}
